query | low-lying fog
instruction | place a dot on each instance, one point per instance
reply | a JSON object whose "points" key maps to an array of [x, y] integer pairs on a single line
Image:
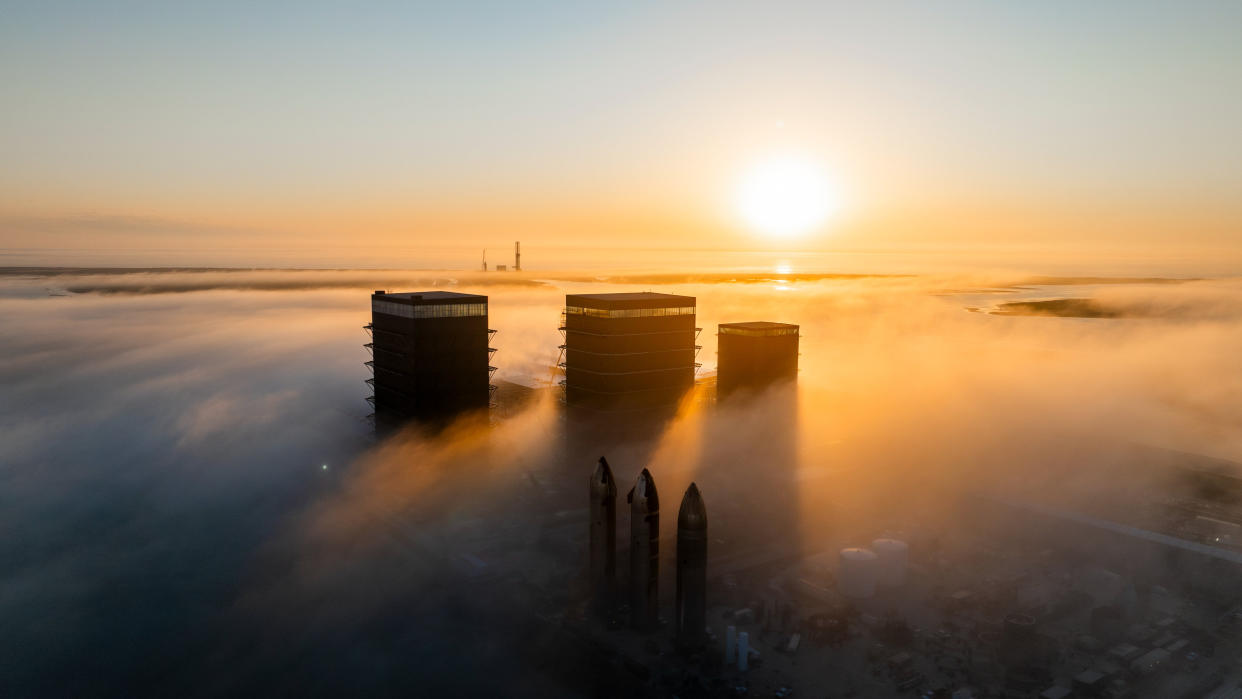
{"points": [[193, 503]]}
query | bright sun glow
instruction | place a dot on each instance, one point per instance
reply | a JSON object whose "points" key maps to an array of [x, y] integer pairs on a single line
{"points": [[786, 195]]}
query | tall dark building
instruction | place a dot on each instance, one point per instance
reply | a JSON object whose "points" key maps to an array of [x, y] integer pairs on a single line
{"points": [[756, 388], [644, 553], [430, 353], [690, 610], [628, 351], [753, 356], [603, 551]]}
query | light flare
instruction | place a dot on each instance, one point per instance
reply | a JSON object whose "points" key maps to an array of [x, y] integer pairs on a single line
{"points": [[786, 195]]}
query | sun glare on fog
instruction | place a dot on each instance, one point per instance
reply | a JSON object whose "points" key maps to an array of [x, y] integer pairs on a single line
{"points": [[786, 195]]}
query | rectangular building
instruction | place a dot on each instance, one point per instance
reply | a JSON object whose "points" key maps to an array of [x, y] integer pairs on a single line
{"points": [[752, 356], [628, 351], [430, 353]]}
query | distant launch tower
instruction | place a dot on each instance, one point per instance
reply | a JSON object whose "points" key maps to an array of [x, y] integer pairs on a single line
{"points": [[644, 553], [691, 606], [603, 536], [517, 256]]}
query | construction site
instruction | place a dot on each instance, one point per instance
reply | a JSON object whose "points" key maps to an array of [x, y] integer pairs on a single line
{"points": [[741, 591]]}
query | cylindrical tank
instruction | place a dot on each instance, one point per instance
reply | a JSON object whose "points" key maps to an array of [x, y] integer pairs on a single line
{"points": [[893, 556], [856, 573]]}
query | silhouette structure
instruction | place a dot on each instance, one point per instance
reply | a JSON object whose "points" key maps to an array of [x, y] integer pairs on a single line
{"points": [[628, 352], [690, 611], [429, 354], [644, 553], [752, 356], [603, 566]]}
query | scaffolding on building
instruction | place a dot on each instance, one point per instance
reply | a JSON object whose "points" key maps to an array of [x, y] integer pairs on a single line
{"points": [[491, 370], [627, 350], [370, 365]]}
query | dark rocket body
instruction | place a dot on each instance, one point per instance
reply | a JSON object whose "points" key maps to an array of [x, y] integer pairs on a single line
{"points": [[644, 553], [603, 566], [690, 612]]}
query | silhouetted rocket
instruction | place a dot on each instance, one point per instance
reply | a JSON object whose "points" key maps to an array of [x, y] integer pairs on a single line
{"points": [[644, 552], [691, 607], [603, 536]]}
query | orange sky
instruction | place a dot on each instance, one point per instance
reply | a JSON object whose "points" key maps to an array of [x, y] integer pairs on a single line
{"points": [[1101, 130]]}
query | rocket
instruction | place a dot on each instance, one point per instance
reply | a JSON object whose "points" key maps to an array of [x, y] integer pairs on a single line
{"points": [[644, 552], [691, 606], [603, 573]]}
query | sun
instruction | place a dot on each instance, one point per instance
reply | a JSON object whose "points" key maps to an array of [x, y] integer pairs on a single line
{"points": [[786, 195]]}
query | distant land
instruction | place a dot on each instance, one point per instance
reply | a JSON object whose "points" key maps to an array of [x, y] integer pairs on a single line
{"points": [[1061, 308]]}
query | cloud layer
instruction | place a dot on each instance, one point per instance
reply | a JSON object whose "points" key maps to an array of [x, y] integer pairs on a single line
{"points": [[170, 527]]}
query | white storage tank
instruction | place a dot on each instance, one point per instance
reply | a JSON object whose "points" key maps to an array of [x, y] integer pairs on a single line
{"points": [[893, 556], [856, 573]]}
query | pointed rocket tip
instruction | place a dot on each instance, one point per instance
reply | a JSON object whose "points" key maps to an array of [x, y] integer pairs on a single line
{"points": [[645, 490], [647, 480], [602, 467], [602, 482], [693, 512]]}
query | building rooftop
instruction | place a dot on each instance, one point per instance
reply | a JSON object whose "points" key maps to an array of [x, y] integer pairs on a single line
{"points": [[634, 299], [431, 296], [758, 328], [758, 325]]}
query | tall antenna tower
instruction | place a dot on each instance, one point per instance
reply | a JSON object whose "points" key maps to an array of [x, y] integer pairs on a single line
{"points": [[484, 259], [517, 256]]}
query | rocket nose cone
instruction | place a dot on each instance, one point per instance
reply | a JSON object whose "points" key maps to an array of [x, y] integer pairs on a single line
{"points": [[693, 512], [602, 482], [644, 492]]}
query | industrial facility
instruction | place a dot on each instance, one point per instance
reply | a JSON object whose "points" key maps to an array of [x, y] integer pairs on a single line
{"points": [[754, 355], [517, 259], [628, 351], [1008, 598], [430, 354]]}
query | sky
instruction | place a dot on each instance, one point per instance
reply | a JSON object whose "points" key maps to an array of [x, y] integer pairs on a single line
{"points": [[256, 133]]}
